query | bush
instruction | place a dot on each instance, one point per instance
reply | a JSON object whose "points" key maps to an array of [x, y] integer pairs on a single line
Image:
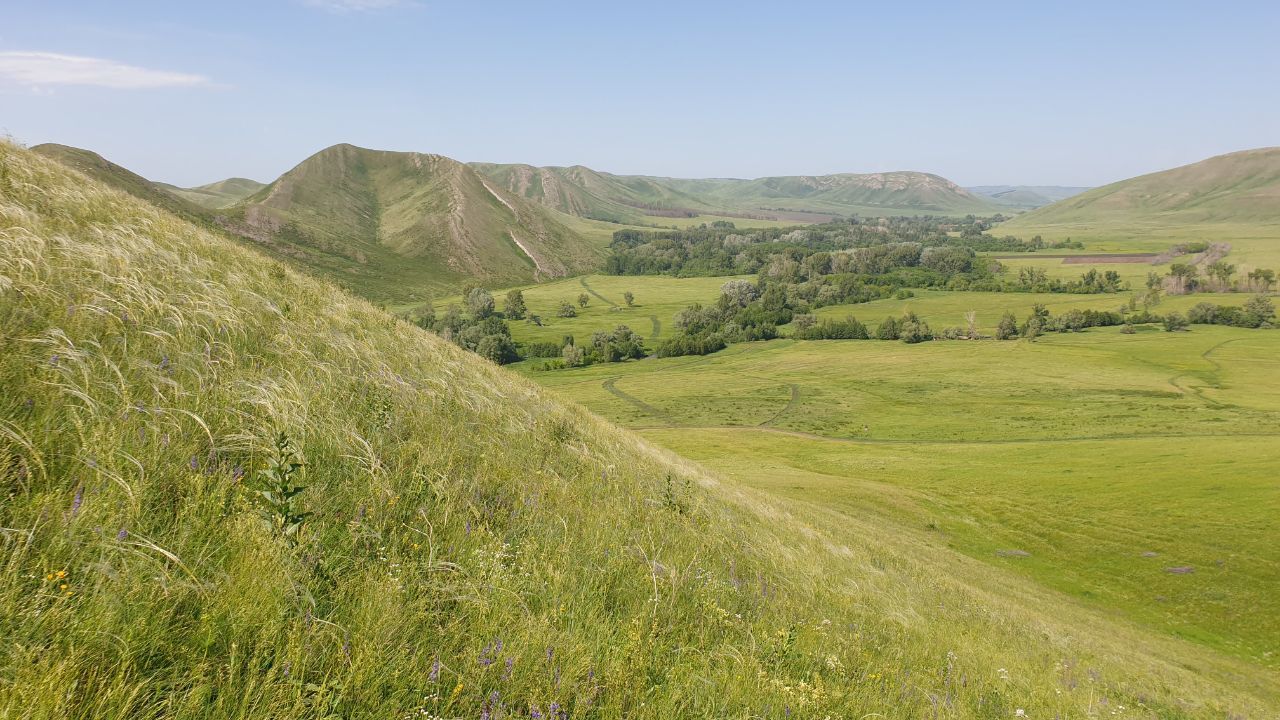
{"points": [[566, 310], [1174, 322], [542, 350], [847, 329], [497, 348], [691, 345], [889, 330]]}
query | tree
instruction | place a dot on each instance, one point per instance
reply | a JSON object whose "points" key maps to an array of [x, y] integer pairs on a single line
{"points": [[1262, 279], [513, 307], [480, 303], [971, 323], [583, 299], [1221, 270], [739, 292], [804, 322], [1183, 277], [497, 348], [566, 310], [1008, 327], [889, 329], [629, 298], [1259, 311], [424, 316], [573, 355], [914, 330], [1174, 322]]}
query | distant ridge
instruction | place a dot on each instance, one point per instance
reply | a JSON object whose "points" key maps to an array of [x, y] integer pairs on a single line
{"points": [[216, 195], [589, 193], [1237, 187], [1025, 197]]}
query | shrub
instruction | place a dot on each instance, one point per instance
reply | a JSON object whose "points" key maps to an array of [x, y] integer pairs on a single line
{"points": [[1174, 322], [542, 350], [566, 310]]}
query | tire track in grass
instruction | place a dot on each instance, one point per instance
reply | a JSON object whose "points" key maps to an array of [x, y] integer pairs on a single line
{"points": [[1197, 390], [585, 286], [795, 398], [611, 388], [657, 328]]}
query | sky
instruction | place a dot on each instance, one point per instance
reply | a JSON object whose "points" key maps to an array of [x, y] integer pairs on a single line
{"points": [[1080, 93]]}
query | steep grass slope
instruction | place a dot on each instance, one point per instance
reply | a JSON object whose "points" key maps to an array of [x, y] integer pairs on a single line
{"points": [[216, 195], [389, 223], [586, 193], [1241, 187], [631, 198], [476, 548], [121, 178]]}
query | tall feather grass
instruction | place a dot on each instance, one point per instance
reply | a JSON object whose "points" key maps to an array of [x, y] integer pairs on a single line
{"points": [[477, 549]]}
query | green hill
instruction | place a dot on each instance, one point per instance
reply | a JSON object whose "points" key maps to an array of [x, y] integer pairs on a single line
{"points": [[120, 178], [391, 224], [1235, 188], [221, 194], [586, 193], [631, 198], [455, 542]]}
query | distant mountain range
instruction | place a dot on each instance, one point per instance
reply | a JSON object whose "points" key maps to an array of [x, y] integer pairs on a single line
{"points": [[1025, 197]]}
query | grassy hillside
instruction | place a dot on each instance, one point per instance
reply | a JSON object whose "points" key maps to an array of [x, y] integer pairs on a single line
{"points": [[583, 192], [1235, 188], [120, 178], [640, 199], [217, 195], [392, 225], [475, 547], [1232, 199], [892, 193]]}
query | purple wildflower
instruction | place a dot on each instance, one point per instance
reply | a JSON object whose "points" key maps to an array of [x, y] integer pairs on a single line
{"points": [[164, 362], [54, 360], [77, 500], [435, 671], [551, 651], [237, 473], [511, 666], [122, 534], [535, 713], [553, 712], [195, 463]]}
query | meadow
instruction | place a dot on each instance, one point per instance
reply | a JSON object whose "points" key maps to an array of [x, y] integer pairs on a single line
{"points": [[1132, 472]]}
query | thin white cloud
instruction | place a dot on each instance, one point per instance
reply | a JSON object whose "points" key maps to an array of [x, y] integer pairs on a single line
{"points": [[346, 6], [41, 69]]}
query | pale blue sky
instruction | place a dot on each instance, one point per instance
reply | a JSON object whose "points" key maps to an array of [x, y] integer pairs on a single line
{"points": [[1083, 93]]}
